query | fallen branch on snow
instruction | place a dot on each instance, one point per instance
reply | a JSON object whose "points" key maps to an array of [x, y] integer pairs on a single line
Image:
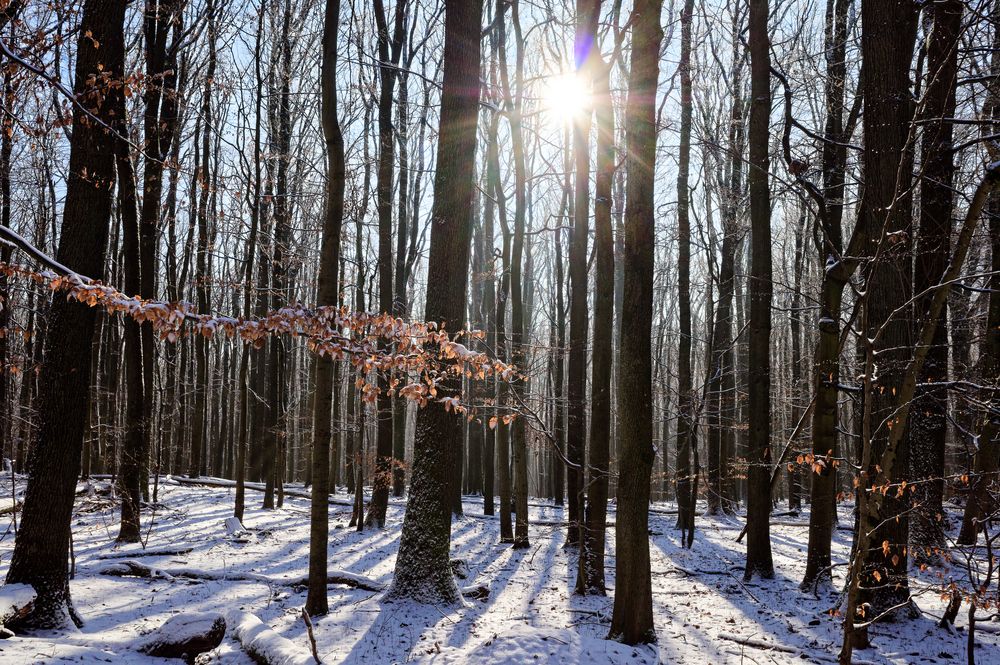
{"points": [[757, 643], [132, 568], [258, 487], [149, 551], [263, 644]]}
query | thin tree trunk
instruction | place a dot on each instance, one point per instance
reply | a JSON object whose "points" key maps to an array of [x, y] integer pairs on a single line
{"points": [[319, 529], [685, 409], [133, 445], [576, 431], [590, 577], [826, 373], [759, 454], [389, 54]]}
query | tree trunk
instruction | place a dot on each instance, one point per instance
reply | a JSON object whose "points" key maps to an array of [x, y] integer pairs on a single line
{"points": [[759, 443], [576, 386], [929, 426], [160, 121], [885, 210], [133, 446], [388, 54], [326, 296], [423, 572], [983, 485], [202, 259], [685, 419], [517, 334], [590, 577], [795, 325], [826, 372], [41, 551], [632, 618]]}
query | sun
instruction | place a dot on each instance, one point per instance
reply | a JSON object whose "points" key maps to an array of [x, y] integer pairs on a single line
{"points": [[566, 97]]}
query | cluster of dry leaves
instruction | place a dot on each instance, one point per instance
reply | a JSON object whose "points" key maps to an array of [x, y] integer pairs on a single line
{"points": [[375, 344]]}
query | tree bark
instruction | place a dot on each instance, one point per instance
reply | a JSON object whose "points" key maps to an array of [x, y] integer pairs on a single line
{"points": [[389, 50], [590, 577], [423, 571], [587, 15], [837, 271], [134, 450], [982, 492], [632, 617], [41, 551], [685, 420], [326, 296], [929, 426], [759, 443]]}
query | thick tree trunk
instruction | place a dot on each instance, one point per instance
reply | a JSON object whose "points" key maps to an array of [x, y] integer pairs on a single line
{"points": [[929, 426], [887, 47], [423, 571], [41, 551]]}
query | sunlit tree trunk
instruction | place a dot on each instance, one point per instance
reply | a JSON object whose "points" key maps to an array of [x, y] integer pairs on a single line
{"points": [[590, 577], [576, 385]]}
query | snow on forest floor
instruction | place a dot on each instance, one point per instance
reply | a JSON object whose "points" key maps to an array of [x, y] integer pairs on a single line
{"points": [[702, 609]]}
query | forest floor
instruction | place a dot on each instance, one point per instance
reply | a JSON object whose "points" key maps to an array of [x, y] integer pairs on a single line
{"points": [[704, 613]]}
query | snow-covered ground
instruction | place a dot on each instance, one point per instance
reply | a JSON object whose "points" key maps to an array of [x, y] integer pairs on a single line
{"points": [[704, 612]]}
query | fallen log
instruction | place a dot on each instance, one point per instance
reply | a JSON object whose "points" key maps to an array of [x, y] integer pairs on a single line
{"points": [[301, 493], [15, 602], [132, 568], [185, 636], [757, 643], [263, 644], [476, 591], [149, 551]]}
